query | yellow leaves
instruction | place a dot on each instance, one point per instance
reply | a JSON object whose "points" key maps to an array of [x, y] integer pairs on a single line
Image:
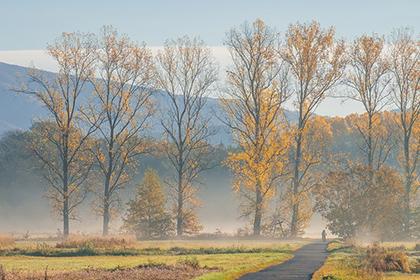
{"points": [[262, 154]]}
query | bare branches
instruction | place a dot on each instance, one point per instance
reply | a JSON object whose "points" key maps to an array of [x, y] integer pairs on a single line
{"points": [[317, 63], [405, 69], [60, 143], [257, 87], [121, 110], [368, 78], [186, 72]]}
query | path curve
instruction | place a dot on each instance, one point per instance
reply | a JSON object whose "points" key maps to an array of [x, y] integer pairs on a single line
{"points": [[305, 262]]}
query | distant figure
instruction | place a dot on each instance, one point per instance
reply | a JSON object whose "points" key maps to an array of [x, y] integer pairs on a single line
{"points": [[324, 236]]}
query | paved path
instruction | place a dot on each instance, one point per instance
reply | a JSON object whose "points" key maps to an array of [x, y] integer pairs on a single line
{"points": [[305, 262]]}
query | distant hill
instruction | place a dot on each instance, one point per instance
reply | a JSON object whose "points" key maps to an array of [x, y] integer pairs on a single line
{"points": [[17, 111]]}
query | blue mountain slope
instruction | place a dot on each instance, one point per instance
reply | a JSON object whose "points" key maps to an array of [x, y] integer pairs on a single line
{"points": [[17, 111]]}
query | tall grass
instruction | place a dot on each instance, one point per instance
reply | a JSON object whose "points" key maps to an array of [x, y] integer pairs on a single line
{"points": [[6, 241], [382, 259], [108, 242]]}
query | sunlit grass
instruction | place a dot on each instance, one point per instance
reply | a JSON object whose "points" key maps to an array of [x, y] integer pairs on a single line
{"points": [[343, 264], [230, 265]]}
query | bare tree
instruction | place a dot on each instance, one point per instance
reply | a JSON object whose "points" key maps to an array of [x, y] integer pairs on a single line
{"points": [[257, 88], [186, 73], [121, 109], [405, 67], [368, 78], [316, 62], [62, 140]]}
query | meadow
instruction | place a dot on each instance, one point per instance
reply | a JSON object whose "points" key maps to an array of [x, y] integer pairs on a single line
{"points": [[116, 257]]}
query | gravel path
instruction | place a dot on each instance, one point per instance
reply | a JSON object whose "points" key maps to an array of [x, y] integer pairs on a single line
{"points": [[305, 262]]}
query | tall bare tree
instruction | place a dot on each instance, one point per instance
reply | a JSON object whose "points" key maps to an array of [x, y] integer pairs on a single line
{"points": [[121, 109], [316, 62], [405, 67], [257, 88], [62, 140], [368, 78], [186, 73]]}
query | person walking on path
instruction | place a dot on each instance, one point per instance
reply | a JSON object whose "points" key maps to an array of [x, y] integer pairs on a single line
{"points": [[324, 236]]}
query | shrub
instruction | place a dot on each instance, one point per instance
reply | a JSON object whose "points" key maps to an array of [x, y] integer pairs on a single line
{"points": [[417, 247], [416, 267], [43, 249], [190, 262], [381, 260]]}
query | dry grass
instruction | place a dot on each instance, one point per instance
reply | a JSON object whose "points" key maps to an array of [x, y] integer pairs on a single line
{"points": [[381, 259], [108, 242], [143, 272], [392, 260], [6, 241]]}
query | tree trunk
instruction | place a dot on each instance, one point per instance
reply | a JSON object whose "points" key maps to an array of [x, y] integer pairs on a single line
{"points": [[66, 227], [295, 209], [370, 147], [407, 189], [258, 211], [106, 216], [66, 209], [179, 211]]}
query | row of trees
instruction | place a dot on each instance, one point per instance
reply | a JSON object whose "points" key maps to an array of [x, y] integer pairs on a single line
{"points": [[306, 67], [100, 106]]}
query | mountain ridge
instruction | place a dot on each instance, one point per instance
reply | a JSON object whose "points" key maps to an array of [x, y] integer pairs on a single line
{"points": [[18, 111]]}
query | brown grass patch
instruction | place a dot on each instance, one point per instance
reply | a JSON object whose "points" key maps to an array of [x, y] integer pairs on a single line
{"points": [[6, 241], [142, 272], [384, 260], [108, 242]]}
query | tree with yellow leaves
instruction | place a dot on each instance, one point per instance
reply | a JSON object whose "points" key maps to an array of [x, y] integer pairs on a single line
{"points": [[317, 62], [405, 68], [121, 110], [186, 72], [257, 88], [62, 141]]}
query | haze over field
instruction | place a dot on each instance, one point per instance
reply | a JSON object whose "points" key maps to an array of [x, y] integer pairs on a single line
{"points": [[21, 113]]}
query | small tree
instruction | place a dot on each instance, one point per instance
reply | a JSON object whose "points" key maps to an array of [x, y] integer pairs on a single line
{"points": [[147, 215], [350, 208]]}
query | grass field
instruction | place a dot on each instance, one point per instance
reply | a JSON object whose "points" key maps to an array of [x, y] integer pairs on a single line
{"points": [[243, 256], [345, 262]]}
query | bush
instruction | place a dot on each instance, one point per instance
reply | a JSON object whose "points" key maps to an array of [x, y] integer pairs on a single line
{"points": [[416, 268], [382, 260], [417, 247], [190, 262]]}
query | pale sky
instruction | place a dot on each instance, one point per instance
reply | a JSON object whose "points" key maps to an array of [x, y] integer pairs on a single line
{"points": [[27, 26]]}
